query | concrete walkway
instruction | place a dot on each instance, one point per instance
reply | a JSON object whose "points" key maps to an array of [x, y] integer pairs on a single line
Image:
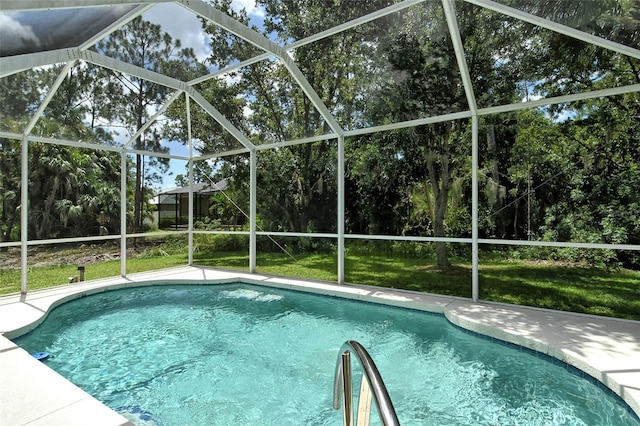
{"points": [[31, 393]]}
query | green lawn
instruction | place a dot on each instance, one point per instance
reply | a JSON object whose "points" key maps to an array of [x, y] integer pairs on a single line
{"points": [[51, 276], [569, 288]]}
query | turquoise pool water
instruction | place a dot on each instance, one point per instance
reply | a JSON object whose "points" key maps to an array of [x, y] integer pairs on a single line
{"points": [[248, 355]]}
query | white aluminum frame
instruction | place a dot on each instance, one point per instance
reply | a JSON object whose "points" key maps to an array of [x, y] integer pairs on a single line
{"points": [[14, 64]]}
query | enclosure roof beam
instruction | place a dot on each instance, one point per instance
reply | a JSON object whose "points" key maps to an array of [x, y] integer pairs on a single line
{"points": [[613, 91], [12, 64], [353, 23], [157, 154], [235, 27], [20, 5], [319, 36], [229, 24], [124, 67], [221, 119], [116, 25], [48, 97], [17, 63], [90, 145], [449, 117], [458, 47], [155, 77], [231, 68], [556, 27], [221, 154], [319, 138], [54, 141], [302, 81], [156, 116], [63, 74], [11, 135], [411, 123]]}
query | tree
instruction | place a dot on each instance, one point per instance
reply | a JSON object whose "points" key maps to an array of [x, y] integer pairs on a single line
{"points": [[9, 187], [299, 182], [19, 99], [426, 81], [582, 156], [72, 192], [143, 44]]}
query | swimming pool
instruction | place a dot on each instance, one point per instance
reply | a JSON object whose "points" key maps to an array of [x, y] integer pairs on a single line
{"points": [[242, 354]]}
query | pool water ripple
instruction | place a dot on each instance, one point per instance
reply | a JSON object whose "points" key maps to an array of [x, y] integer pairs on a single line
{"points": [[240, 355]]}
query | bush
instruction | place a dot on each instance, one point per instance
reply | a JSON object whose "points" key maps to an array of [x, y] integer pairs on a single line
{"points": [[392, 248], [221, 242], [296, 244]]}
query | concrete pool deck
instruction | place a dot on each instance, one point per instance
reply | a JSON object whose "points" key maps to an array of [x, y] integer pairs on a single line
{"points": [[32, 394]]}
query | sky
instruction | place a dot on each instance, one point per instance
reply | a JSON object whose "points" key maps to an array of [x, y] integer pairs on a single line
{"points": [[185, 26]]}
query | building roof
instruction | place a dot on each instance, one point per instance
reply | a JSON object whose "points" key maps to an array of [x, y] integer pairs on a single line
{"points": [[200, 188]]}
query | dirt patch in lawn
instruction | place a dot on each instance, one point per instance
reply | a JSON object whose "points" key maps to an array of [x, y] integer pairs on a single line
{"points": [[60, 255]]}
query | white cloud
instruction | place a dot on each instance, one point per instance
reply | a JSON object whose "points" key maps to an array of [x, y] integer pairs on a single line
{"points": [[181, 24], [247, 111], [249, 6], [184, 25], [21, 35], [231, 78]]}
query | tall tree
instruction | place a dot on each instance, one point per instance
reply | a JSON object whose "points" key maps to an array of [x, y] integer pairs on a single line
{"points": [[426, 81], [143, 44], [301, 180]]}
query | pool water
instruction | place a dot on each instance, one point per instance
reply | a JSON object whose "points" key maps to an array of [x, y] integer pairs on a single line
{"points": [[248, 355]]}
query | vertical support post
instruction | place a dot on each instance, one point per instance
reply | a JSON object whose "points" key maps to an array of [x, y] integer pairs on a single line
{"points": [[252, 209], [347, 390], [474, 210], [190, 235], [458, 47], [123, 213], [341, 192], [24, 213]]}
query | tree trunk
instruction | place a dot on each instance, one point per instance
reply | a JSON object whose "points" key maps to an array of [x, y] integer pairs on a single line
{"points": [[442, 255], [493, 154], [137, 202], [440, 183], [495, 196], [440, 189]]}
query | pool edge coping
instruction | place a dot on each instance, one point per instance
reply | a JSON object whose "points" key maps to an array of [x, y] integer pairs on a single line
{"points": [[553, 333]]}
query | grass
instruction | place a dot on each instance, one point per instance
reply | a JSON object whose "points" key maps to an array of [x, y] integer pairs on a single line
{"points": [[51, 276], [577, 289], [568, 288]]}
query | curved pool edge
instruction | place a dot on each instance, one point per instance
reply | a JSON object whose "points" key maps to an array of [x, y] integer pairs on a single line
{"points": [[606, 349]]}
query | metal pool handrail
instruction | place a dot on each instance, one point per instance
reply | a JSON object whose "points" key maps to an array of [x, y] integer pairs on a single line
{"points": [[344, 382]]}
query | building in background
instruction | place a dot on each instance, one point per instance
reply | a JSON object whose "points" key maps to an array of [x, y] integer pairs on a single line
{"points": [[173, 206]]}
